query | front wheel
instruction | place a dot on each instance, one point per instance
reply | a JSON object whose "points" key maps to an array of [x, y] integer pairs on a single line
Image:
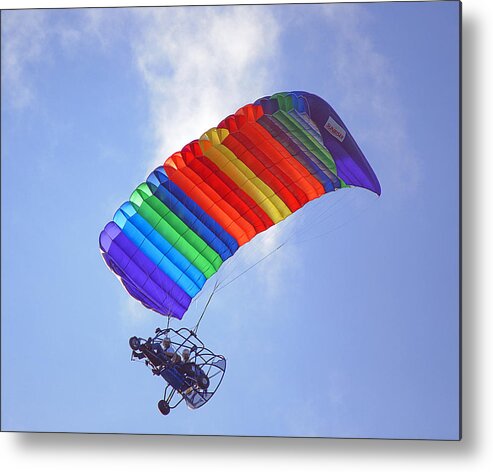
{"points": [[163, 407], [134, 342]]}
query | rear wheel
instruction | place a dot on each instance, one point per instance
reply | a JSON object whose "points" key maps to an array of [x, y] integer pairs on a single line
{"points": [[163, 407]]}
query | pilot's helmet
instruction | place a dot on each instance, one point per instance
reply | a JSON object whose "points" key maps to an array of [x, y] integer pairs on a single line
{"points": [[185, 354], [166, 342]]}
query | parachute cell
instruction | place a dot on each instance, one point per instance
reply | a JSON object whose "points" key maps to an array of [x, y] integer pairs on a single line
{"points": [[253, 170]]}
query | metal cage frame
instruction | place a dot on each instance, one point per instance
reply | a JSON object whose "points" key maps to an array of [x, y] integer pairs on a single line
{"points": [[202, 362]]}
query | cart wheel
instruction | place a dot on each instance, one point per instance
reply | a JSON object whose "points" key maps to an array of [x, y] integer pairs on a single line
{"points": [[134, 343], [203, 381], [163, 407]]}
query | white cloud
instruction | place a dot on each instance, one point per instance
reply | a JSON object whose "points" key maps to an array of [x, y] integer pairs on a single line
{"points": [[201, 63], [29, 38], [24, 40], [266, 257], [133, 313]]}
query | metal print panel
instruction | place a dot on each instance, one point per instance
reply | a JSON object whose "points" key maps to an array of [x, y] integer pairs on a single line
{"points": [[275, 192]]}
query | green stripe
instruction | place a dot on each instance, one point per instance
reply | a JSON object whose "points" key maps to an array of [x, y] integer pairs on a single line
{"points": [[307, 139], [175, 231], [321, 152], [188, 233]]}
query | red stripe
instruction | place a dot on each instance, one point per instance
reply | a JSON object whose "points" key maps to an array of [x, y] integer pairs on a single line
{"points": [[227, 189], [264, 167], [179, 172], [273, 155]]}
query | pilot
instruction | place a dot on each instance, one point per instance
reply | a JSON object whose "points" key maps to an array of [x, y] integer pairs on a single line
{"points": [[169, 352], [185, 354], [187, 366]]}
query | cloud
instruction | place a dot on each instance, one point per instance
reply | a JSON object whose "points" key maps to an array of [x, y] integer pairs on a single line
{"points": [[265, 258], [31, 39], [201, 63], [368, 90], [24, 44], [133, 313]]}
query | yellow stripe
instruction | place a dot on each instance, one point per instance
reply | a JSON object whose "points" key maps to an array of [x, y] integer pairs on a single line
{"points": [[241, 174]]}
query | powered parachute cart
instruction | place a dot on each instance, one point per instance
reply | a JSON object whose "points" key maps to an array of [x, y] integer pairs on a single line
{"points": [[192, 372]]}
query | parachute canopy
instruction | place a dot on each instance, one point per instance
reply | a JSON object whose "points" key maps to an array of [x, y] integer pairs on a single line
{"points": [[257, 167]]}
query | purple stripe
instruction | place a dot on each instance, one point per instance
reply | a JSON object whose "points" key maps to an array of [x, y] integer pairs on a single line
{"points": [[352, 165], [142, 278]]}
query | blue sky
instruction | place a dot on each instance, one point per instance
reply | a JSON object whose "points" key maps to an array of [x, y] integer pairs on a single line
{"points": [[351, 329]]}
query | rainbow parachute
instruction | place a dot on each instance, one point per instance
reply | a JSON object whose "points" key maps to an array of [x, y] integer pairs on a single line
{"points": [[254, 169]]}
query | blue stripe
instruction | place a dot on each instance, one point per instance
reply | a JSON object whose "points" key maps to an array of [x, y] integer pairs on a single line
{"points": [[138, 231], [192, 214], [163, 245]]}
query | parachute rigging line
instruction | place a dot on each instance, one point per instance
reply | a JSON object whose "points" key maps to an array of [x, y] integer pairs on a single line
{"points": [[219, 286], [293, 231], [335, 228], [196, 327], [252, 266]]}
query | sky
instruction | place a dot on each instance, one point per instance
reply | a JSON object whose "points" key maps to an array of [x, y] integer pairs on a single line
{"points": [[351, 329]]}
